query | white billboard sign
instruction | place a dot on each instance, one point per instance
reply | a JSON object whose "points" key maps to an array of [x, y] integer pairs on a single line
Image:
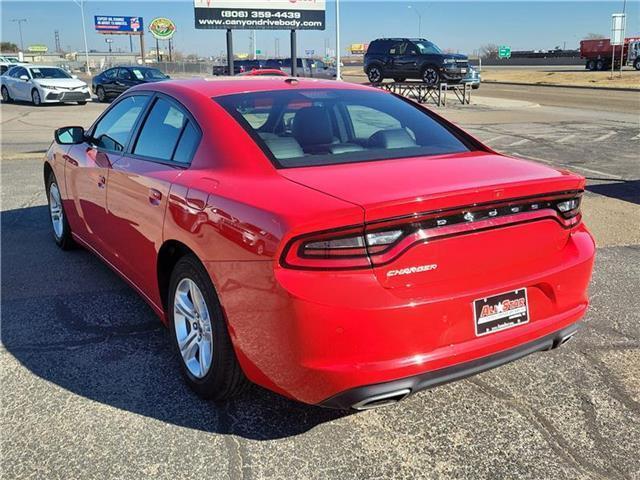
{"points": [[260, 14], [618, 21]]}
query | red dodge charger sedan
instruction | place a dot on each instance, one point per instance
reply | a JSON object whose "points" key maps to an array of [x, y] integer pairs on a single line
{"points": [[335, 243]]}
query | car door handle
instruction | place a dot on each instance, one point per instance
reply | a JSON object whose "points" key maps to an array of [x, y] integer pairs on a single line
{"points": [[154, 196], [70, 160], [101, 181]]}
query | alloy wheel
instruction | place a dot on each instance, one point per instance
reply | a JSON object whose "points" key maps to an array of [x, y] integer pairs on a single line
{"points": [[5, 94], [55, 210], [375, 75], [193, 328], [430, 76], [100, 93], [35, 97]]}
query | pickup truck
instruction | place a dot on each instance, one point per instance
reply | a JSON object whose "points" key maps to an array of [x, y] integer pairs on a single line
{"points": [[416, 58]]}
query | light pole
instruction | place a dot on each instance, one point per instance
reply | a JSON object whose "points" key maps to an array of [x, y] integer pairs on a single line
{"points": [[419, 20], [109, 42], [338, 68], [80, 3], [20, 21]]}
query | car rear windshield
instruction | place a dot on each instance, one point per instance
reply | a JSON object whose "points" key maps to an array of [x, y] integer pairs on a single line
{"points": [[300, 128]]}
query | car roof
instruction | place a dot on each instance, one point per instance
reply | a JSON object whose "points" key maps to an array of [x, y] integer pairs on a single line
{"points": [[401, 39], [41, 66], [218, 86]]}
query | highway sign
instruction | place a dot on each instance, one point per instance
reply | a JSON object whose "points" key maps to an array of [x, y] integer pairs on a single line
{"points": [[504, 51]]}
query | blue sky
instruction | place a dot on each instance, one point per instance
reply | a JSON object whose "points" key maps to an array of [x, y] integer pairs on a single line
{"points": [[459, 25]]}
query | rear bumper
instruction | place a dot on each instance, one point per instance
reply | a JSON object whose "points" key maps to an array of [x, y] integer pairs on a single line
{"points": [[370, 396], [329, 337]]}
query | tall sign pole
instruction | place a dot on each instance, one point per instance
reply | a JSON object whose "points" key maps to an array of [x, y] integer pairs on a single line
{"points": [[294, 54], [230, 51], [80, 3]]}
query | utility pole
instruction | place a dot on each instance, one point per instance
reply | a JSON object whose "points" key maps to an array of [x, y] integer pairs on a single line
{"points": [[255, 44], [419, 20], [338, 67], [80, 3], [56, 36], [20, 21]]}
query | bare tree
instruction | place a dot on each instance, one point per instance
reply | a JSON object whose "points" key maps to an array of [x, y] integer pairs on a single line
{"points": [[490, 50]]}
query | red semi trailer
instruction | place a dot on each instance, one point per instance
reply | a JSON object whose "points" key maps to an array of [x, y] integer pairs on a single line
{"points": [[599, 53]]}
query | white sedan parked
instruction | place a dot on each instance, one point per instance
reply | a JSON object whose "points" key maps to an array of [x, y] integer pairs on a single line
{"points": [[39, 84]]}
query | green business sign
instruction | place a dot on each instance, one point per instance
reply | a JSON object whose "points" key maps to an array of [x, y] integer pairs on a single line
{"points": [[504, 51], [258, 52], [38, 48], [162, 28]]}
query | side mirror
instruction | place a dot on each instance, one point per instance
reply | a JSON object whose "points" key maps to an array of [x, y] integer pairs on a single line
{"points": [[74, 76], [24, 77], [69, 135]]}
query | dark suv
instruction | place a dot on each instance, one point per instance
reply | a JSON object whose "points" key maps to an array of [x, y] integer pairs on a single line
{"points": [[402, 58]]}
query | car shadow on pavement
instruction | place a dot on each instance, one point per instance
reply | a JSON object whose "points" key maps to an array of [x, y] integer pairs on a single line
{"points": [[627, 190], [71, 321]]}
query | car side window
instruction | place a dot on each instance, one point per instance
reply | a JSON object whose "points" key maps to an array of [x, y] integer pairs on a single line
{"points": [[124, 74], [113, 130], [111, 73], [395, 49], [161, 131], [18, 72], [187, 144]]}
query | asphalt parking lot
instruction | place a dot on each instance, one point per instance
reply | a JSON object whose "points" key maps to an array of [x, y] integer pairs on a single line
{"points": [[90, 387]]}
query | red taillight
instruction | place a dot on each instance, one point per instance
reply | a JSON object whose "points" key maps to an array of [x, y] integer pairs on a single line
{"points": [[338, 249]]}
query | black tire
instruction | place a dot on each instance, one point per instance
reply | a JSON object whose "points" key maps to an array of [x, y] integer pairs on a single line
{"points": [[375, 74], [430, 76], [35, 98], [83, 102], [636, 64], [101, 94], [225, 378], [6, 98], [591, 65], [399, 79], [64, 239], [475, 87], [600, 65]]}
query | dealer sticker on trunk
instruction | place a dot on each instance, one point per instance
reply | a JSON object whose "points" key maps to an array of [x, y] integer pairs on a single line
{"points": [[500, 312]]}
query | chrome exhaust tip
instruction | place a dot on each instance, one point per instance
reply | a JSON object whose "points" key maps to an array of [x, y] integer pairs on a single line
{"points": [[566, 338], [381, 400], [563, 340]]}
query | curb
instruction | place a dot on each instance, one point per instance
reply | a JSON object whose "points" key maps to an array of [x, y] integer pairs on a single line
{"points": [[581, 87]]}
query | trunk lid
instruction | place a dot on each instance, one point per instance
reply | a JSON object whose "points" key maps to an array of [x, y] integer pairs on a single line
{"points": [[391, 188], [498, 249]]}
